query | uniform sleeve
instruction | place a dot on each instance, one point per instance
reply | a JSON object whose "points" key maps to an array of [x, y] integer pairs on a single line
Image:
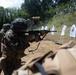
{"points": [[1, 34], [11, 41]]}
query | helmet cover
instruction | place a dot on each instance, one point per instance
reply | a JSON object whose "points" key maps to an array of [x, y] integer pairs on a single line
{"points": [[19, 24]]}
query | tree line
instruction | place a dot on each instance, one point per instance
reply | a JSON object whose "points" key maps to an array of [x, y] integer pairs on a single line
{"points": [[9, 14], [46, 9]]}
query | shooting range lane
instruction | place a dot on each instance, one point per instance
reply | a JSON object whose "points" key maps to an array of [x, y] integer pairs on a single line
{"points": [[43, 48]]}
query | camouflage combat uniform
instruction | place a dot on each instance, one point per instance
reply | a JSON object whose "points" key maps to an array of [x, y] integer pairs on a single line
{"points": [[4, 29], [2, 33], [13, 48]]}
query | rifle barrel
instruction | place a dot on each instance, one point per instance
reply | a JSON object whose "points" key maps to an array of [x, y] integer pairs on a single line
{"points": [[39, 31]]}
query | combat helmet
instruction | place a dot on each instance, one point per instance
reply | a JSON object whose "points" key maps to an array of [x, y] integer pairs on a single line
{"points": [[19, 24]]}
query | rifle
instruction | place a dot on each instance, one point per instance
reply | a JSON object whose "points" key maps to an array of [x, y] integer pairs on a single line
{"points": [[36, 32], [38, 36]]}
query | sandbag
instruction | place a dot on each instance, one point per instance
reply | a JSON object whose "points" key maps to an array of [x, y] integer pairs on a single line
{"points": [[69, 44], [67, 62], [62, 62], [42, 60]]}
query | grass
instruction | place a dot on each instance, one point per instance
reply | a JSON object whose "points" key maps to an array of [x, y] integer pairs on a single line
{"points": [[62, 19]]}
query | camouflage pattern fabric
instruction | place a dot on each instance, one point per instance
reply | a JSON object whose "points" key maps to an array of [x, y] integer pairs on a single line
{"points": [[13, 48], [13, 45], [1, 35]]}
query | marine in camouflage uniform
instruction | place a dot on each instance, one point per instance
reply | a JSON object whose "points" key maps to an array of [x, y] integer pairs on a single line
{"points": [[13, 46], [4, 29]]}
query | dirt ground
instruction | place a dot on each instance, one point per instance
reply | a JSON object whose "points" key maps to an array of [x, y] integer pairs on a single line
{"points": [[48, 44], [44, 47]]}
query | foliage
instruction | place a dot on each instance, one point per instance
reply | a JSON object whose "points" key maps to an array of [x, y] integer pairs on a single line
{"points": [[59, 20], [57, 11], [47, 9], [37, 7], [9, 14]]}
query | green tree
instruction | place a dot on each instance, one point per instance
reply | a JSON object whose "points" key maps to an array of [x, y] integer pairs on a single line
{"points": [[37, 7], [2, 16]]}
